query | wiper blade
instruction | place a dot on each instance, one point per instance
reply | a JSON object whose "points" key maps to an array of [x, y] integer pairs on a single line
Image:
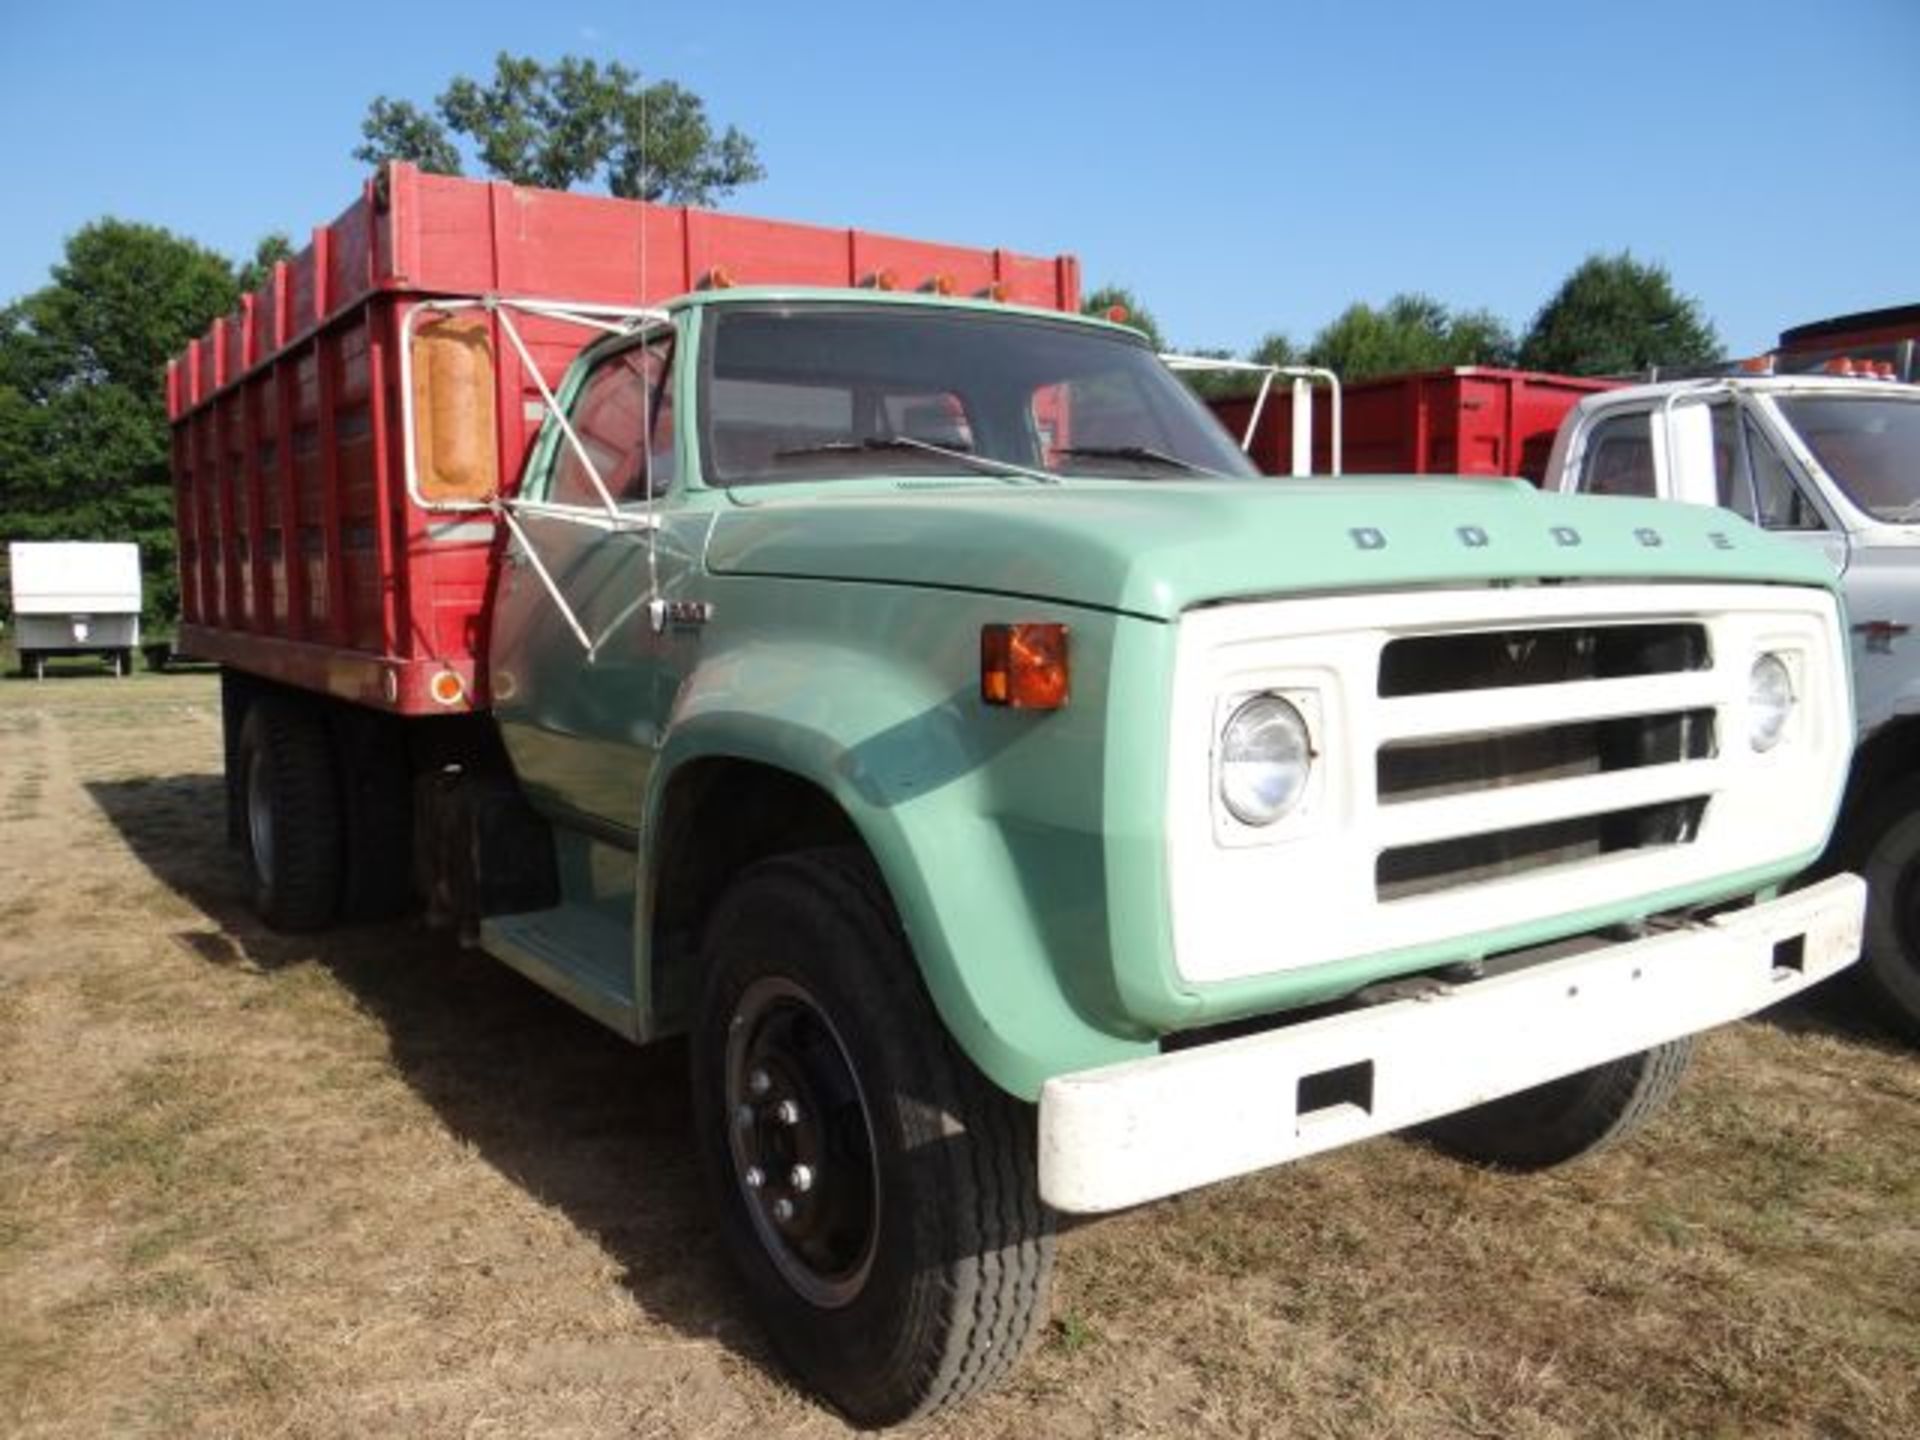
{"points": [[1131, 452], [984, 463], [856, 447]]}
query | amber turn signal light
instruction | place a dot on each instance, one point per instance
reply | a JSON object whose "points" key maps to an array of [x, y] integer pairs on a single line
{"points": [[1024, 667], [447, 688]]}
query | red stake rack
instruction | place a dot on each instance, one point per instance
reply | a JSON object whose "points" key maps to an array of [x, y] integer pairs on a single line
{"points": [[300, 555]]}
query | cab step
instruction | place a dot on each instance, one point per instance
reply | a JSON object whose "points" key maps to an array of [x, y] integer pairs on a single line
{"points": [[579, 953]]}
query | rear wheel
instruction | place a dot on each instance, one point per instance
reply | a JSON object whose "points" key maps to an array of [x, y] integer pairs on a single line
{"points": [[1566, 1118], [292, 811], [1890, 959], [877, 1193]]}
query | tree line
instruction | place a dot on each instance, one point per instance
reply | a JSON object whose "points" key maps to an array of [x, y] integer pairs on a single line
{"points": [[83, 429], [1614, 315]]}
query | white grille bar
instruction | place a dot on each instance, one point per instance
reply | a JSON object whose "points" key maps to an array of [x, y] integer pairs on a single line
{"points": [[1480, 712], [1481, 812]]}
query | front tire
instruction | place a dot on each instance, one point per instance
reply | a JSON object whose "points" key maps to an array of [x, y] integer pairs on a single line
{"points": [[1890, 959], [877, 1193], [1565, 1119], [291, 802]]}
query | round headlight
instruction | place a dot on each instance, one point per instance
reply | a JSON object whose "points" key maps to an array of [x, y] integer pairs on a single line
{"points": [[1769, 701], [1265, 758]]}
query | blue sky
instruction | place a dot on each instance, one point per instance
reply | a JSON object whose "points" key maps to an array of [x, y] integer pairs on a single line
{"points": [[1243, 167]]}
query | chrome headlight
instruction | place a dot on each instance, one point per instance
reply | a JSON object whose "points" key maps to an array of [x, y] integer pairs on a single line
{"points": [[1266, 757], [1770, 701]]}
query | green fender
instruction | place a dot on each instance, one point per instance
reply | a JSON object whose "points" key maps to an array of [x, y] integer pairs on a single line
{"points": [[923, 775]]}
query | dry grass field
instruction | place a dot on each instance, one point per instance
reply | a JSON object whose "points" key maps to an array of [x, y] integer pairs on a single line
{"points": [[373, 1185]]}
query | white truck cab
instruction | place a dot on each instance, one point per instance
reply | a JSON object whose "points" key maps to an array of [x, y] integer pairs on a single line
{"points": [[1832, 462]]}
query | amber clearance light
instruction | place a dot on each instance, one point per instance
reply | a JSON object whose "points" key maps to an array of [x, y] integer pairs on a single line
{"points": [[1024, 666]]}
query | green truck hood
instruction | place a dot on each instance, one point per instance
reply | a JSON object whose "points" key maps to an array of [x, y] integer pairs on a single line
{"points": [[1156, 548]]}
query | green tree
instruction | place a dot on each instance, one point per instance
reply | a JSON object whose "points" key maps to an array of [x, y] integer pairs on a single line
{"points": [[1274, 348], [83, 430], [665, 149], [123, 299], [1210, 384], [565, 124], [1410, 332], [1482, 338], [399, 130], [272, 249], [1615, 315], [1138, 316]]}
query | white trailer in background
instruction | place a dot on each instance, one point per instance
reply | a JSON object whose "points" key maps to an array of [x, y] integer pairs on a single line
{"points": [[75, 597]]}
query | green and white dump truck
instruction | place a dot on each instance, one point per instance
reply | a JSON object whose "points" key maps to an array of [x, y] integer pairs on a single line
{"points": [[903, 687]]}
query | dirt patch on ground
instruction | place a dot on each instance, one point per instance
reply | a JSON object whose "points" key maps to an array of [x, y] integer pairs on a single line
{"points": [[373, 1185]]}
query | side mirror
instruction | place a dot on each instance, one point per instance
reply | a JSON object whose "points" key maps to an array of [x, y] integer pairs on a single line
{"points": [[456, 455]]}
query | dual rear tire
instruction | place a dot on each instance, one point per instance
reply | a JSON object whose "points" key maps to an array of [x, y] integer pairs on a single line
{"points": [[289, 795]]}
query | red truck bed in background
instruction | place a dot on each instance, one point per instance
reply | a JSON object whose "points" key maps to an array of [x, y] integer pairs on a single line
{"points": [[1465, 421], [300, 556]]}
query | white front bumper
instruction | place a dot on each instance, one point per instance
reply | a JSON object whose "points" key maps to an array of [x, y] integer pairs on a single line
{"points": [[1133, 1132]]}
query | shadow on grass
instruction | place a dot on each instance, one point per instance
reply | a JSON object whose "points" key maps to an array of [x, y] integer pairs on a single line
{"points": [[573, 1115], [1843, 1009]]}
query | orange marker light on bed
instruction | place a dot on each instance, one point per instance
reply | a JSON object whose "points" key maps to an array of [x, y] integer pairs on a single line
{"points": [[1024, 667]]}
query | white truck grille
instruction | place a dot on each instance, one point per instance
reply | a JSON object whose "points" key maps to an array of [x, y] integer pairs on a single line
{"points": [[1487, 760], [1421, 777]]}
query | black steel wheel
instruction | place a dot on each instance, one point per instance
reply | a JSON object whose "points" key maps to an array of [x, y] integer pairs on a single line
{"points": [[802, 1141], [878, 1195], [292, 810], [1565, 1119]]}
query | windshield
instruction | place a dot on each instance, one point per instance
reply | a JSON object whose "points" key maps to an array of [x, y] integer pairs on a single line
{"points": [[1869, 444], [813, 391]]}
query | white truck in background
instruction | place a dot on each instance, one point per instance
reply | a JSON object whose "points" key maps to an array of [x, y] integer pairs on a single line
{"points": [[1832, 462], [75, 597]]}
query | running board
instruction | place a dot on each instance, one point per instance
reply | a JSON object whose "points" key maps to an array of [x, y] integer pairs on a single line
{"points": [[579, 954]]}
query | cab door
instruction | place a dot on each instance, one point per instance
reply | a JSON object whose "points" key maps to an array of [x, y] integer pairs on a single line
{"points": [[581, 718], [1761, 484]]}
